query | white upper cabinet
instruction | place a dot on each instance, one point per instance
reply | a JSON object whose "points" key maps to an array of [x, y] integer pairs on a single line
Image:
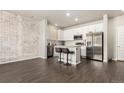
{"points": [[60, 34], [85, 30], [91, 28], [99, 27], [69, 33]]}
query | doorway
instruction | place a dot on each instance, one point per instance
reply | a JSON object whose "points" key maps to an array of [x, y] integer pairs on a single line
{"points": [[120, 44]]}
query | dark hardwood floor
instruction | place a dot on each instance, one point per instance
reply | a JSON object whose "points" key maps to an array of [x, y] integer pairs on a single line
{"points": [[50, 71]]}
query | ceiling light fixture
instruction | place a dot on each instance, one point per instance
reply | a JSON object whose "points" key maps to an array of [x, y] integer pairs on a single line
{"points": [[68, 14], [76, 19]]}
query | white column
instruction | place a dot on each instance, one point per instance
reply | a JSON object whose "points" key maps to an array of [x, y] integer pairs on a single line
{"points": [[105, 29], [43, 39]]}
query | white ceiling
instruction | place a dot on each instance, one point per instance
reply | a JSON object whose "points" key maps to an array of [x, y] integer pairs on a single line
{"points": [[59, 16]]}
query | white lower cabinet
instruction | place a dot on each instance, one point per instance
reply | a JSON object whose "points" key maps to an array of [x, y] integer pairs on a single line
{"points": [[83, 51]]}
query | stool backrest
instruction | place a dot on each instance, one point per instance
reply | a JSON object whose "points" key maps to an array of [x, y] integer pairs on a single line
{"points": [[58, 50], [65, 50]]}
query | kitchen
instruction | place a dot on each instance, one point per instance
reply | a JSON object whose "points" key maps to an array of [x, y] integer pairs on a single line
{"points": [[88, 38], [61, 41], [56, 48]]}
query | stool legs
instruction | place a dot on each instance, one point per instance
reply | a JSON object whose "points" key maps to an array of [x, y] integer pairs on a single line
{"points": [[60, 58], [67, 60]]}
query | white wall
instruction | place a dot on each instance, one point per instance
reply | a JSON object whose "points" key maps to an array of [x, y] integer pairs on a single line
{"points": [[106, 35], [29, 36], [52, 32], [19, 37], [114, 24]]}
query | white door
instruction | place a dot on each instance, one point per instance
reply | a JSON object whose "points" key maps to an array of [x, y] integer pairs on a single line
{"points": [[120, 43]]}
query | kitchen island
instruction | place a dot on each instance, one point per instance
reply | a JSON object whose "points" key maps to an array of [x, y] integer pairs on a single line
{"points": [[73, 58]]}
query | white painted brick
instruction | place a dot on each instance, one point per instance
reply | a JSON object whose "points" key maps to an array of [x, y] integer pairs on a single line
{"points": [[19, 37]]}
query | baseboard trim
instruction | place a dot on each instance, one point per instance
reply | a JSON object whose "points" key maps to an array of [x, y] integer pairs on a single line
{"points": [[19, 60]]}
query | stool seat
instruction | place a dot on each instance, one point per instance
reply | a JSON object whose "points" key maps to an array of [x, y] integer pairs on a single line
{"points": [[58, 50], [71, 52]]}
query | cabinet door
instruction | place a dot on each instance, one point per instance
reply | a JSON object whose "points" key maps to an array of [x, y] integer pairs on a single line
{"points": [[60, 35], [91, 28], [99, 27], [68, 35], [83, 51]]}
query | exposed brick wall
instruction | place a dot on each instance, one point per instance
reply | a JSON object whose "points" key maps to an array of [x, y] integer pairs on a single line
{"points": [[18, 37]]}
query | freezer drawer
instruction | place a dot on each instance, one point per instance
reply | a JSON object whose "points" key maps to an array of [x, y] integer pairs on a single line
{"points": [[89, 52], [97, 50]]}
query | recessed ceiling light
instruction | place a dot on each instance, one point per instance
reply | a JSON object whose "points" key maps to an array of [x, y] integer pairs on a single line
{"points": [[56, 24], [76, 19], [67, 14]]}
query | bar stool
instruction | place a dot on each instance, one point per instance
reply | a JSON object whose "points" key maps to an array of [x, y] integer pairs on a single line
{"points": [[59, 50], [66, 51]]}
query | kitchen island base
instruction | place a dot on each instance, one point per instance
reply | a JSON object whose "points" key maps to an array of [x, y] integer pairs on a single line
{"points": [[74, 58]]}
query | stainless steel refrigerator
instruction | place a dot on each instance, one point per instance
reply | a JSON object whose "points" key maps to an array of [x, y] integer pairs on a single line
{"points": [[94, 49]]}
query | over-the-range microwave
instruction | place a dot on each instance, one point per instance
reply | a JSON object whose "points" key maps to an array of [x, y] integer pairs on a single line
{"points": [[78, 37]]}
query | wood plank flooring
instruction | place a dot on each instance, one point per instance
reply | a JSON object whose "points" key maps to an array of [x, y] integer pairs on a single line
{"points": [[50, 71]]}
